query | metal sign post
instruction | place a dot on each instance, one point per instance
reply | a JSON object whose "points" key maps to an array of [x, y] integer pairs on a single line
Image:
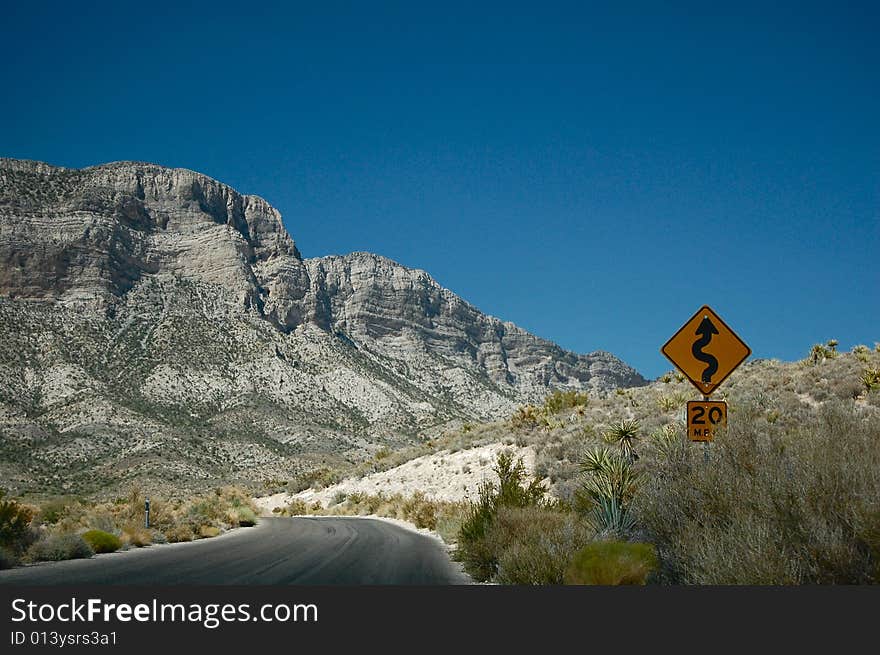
{"points": [[705, 443], [147, 512]]}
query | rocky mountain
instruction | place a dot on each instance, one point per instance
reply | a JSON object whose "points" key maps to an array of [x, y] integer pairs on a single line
{"points": [[160, 327]]}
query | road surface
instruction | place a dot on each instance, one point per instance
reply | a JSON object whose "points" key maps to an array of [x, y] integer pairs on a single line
{"points": [[278, 551]]}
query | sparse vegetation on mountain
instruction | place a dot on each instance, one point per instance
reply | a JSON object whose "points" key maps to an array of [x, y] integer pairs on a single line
{"points": [[820, 352]]}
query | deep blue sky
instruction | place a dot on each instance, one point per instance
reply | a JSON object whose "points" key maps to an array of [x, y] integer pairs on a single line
{"points": [[592, 173]]}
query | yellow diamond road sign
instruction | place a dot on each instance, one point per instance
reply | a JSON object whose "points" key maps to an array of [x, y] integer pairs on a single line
{"points": [[706, 350]]}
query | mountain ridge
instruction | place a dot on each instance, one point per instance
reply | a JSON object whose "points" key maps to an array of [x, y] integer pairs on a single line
{"points": [[169, 299]]}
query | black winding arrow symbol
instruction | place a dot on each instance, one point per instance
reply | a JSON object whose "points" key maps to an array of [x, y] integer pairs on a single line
{"points": [[706, 330]]}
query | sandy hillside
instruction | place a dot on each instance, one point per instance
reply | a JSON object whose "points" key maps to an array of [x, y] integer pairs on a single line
{"points": [[441, 476]]}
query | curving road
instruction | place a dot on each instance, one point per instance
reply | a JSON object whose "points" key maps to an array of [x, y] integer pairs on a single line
{"points": [[278, 551]]}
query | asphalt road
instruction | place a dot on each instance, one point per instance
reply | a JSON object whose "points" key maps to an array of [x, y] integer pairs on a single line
{"points": [[278, 551]]}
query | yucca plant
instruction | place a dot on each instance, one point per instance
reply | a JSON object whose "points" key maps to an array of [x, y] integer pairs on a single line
{"points": [[611, 517], [861, 352], [624, 435], [607, 488], [871, 379], [525, 417]]}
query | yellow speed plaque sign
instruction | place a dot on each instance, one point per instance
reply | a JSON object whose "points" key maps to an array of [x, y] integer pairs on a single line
{"points": [[706, 350], [704, 417]]}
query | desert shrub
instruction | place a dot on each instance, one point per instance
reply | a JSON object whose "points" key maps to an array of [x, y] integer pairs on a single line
{"points": [[774, 504], [560, 400], [136, 535], [246, 517], [102, 542], [179, 533], [8, 559], [525, 417], [667, 403], [208, 531], [479, 556], [861, 352], [420, 511], [58, 547], [295, 507], [533, 545], [100, 520], [612, 563], [16, 534], [52, 511]]}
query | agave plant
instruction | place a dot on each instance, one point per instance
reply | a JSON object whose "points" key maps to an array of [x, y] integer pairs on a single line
{"points": [[624, 434]]}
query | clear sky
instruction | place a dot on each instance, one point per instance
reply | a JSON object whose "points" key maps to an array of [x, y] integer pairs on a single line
{"points": [[591, 171]]}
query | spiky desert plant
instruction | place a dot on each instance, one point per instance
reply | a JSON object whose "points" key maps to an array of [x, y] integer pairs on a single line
{"points": [[871, 379], [624, 435], [610, 517], [607, 475], [607, 487], [861, 352], [525, 417], [667, 403]]}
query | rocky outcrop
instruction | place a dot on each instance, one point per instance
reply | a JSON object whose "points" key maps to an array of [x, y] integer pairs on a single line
{"points": [[396, 311], [87, 236]]}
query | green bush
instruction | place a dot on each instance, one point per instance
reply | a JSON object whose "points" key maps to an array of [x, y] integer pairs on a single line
{"points": [[16, 534], [53, 511], [102, 542], [612, 563], [208, 531], [479, 557], [58, 547], [246, 517], [525, 417], [560, 400]]}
